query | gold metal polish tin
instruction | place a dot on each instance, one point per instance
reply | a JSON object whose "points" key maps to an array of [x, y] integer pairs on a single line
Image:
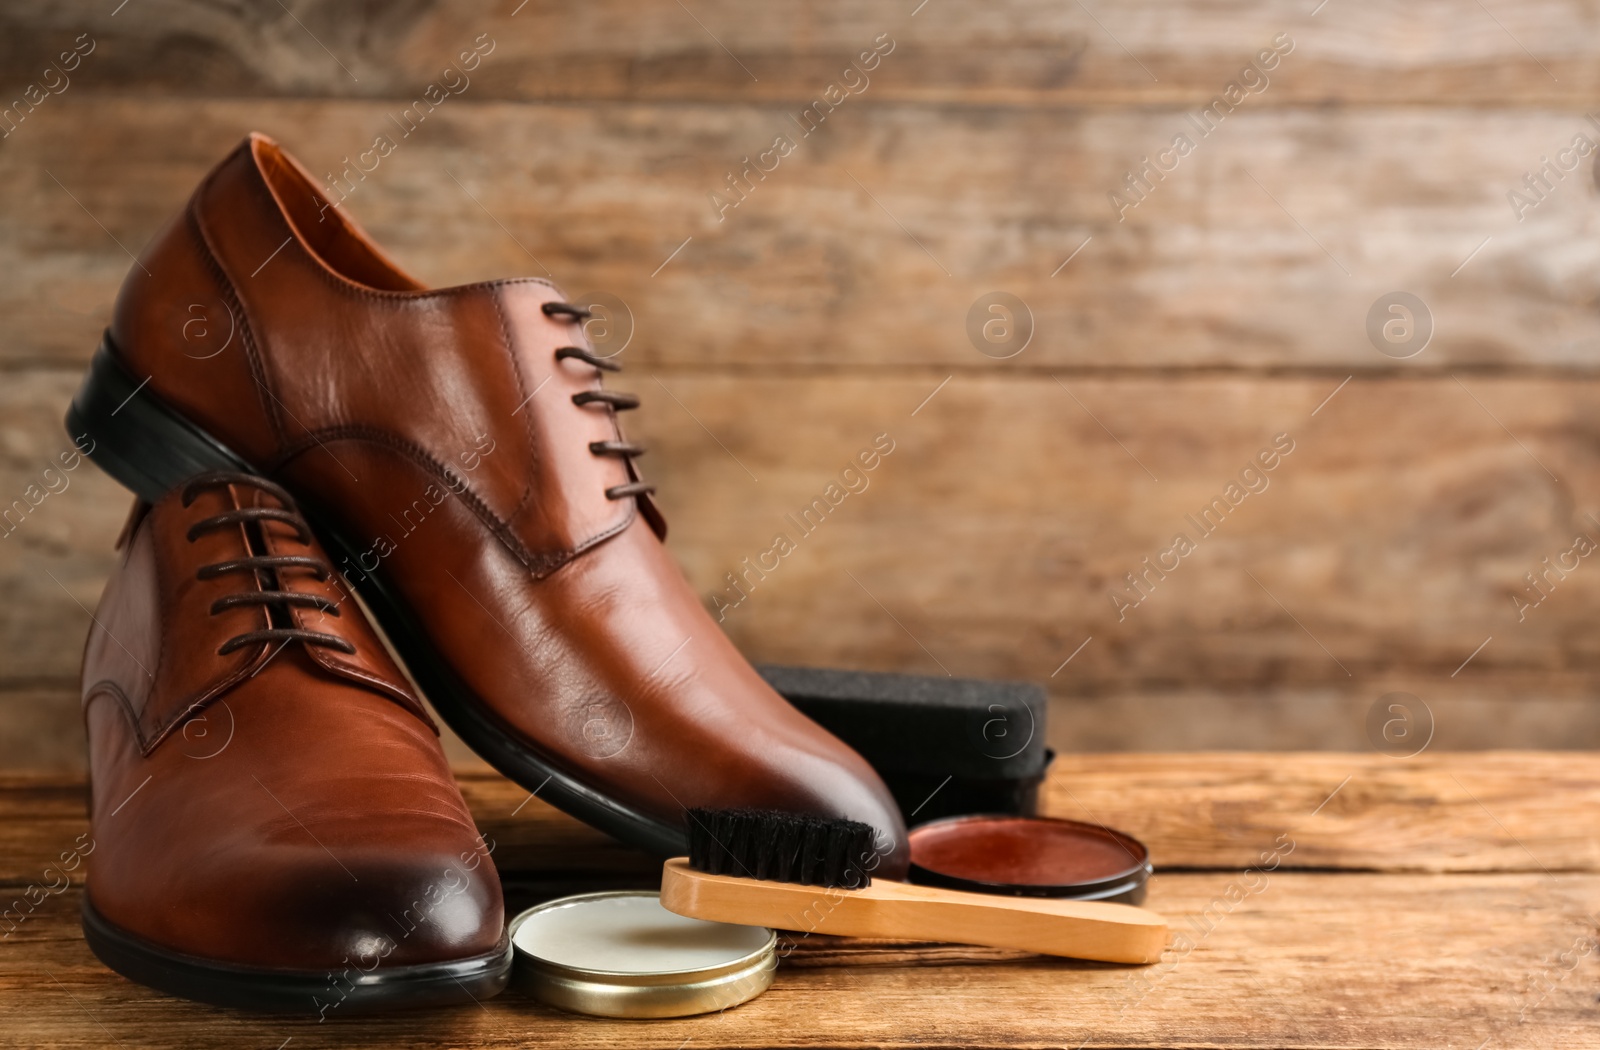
{"points": [[621, 954]]}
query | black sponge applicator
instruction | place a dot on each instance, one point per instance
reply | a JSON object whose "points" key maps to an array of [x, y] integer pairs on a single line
{"points": [[945, 746]]}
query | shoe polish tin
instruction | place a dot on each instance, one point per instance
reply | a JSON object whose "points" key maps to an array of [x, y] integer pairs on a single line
{"points": [[621, 954], [1005, 854]]}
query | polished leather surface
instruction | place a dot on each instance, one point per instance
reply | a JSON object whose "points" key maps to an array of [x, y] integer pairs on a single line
{"points": [[285, 806], [437, 427]]}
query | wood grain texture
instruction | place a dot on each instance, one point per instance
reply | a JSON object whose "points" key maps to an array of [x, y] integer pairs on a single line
{"points": [[41, 729], [1028, 53], [1391, 544], [1435, 812], [1457, 960], [1393, 538], [56, 544], [1441, 900], [835, 298], [867, 246], [1262, 958], [1438, 812]]}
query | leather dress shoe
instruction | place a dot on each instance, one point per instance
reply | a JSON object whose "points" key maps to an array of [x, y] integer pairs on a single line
{"points": [[274, 823], [458, 452]]}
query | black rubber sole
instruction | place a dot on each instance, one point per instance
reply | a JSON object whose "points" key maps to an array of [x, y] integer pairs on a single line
{"points": [[148, 446], [135, 437], [346, 991]]}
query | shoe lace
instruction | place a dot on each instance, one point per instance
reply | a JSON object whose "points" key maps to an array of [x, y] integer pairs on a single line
{"points": [[617, 400], [276, 598]]}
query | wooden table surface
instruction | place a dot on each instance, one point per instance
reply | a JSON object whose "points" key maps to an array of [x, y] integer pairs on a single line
{"points": [[1447, 900]]}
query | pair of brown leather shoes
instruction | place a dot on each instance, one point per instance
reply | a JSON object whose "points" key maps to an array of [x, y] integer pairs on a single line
{"points": [[275, 823]]}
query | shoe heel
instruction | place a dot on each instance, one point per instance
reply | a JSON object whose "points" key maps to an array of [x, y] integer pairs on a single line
{"points": [[136, 437]]}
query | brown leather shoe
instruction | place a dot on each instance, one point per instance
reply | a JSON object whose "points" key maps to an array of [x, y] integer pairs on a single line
{"points": [[274, 823], [457, 450]]}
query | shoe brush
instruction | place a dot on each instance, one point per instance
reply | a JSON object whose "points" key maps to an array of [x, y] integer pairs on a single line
{"points": [[763, 868]]}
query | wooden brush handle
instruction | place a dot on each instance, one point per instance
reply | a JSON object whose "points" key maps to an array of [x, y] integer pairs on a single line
{"points": [[1077, 929]]}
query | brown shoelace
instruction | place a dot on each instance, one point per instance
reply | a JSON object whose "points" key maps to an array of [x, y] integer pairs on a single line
{"points": [[276, 598], [618, 401]]}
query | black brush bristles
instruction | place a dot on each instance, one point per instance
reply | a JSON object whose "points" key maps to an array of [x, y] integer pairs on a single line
{"points": [[781, 847]]}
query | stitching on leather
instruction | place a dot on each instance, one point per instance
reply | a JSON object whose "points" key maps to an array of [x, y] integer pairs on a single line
{"points": [[391, 691], [596, 383], [213, 261], [262, 192], [394, 690], [156, 561], [522, 389], [333, 278], [539, 563], [106, 687], [149, 740], [343, 284], [204, 699], [411, 449], [598, 538]]}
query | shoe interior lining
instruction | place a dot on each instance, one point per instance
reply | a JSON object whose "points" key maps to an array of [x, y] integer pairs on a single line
{"points": [[324, 229]]}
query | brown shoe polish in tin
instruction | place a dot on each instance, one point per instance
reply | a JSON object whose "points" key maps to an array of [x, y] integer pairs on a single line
{"points": [[1030, 857]]}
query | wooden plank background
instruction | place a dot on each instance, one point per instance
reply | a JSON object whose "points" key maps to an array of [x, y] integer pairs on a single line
{"points": [[1227, 308]]}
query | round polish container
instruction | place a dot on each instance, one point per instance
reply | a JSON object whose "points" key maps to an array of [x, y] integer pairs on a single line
{"points": [[621, 954], [1030, 857]]}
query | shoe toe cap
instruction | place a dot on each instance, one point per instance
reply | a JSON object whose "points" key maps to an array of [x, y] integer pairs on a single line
{"points": [[394, 909], [338, 907]]}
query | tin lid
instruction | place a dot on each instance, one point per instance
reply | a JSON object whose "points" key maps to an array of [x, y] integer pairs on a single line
{"points": [[621, 954], [1030, 857]]}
